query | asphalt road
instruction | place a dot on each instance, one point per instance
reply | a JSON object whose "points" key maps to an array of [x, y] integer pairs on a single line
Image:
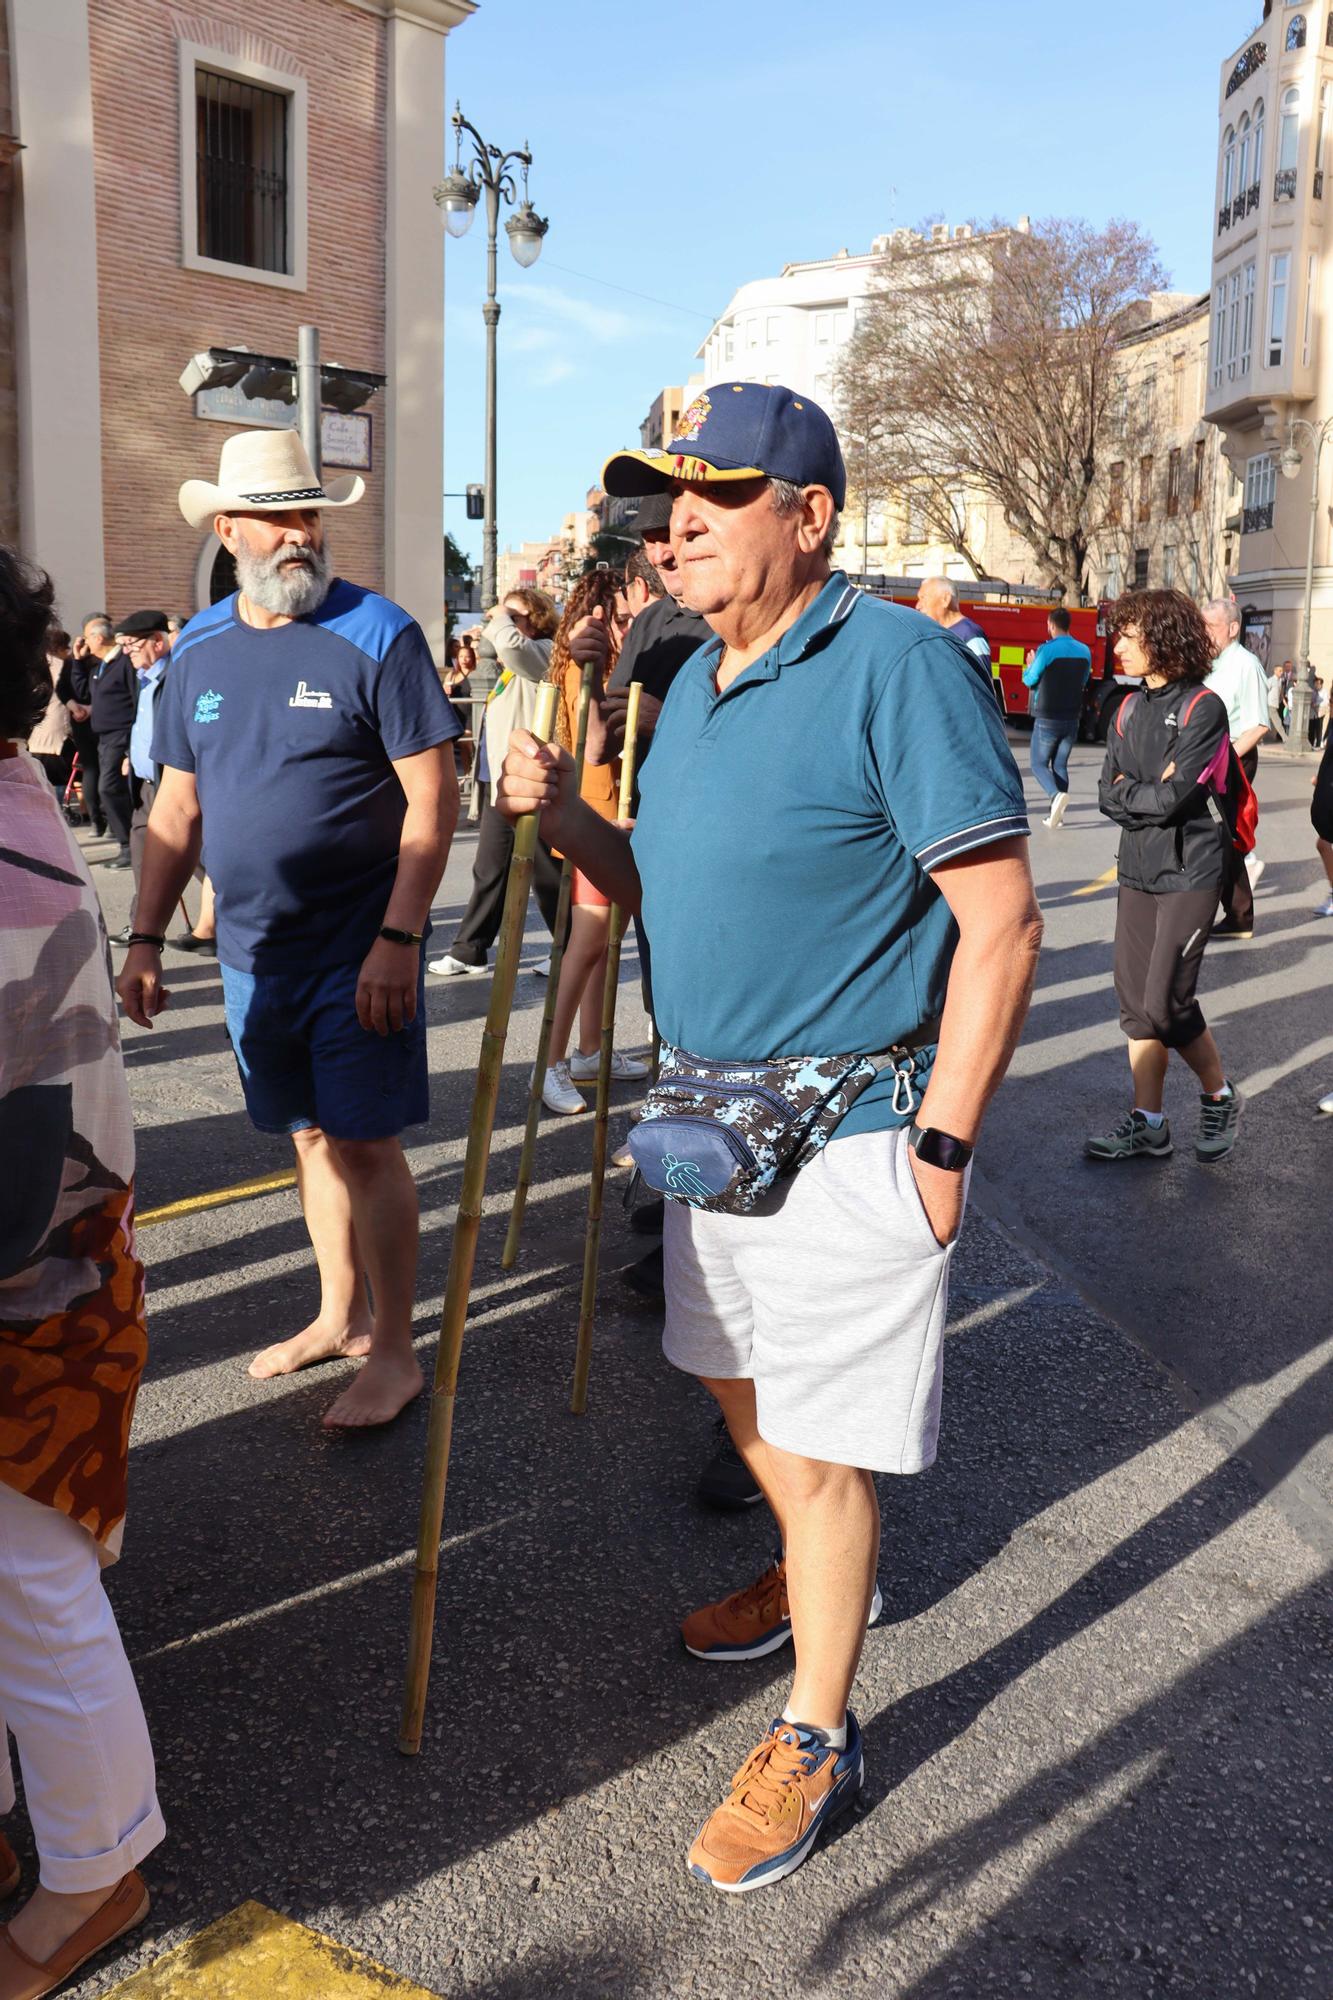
{"points": [[1097, 1707]]}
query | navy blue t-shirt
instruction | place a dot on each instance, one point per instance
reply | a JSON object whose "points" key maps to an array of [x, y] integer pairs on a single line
{"points": [[291, 735], [789, 827]]}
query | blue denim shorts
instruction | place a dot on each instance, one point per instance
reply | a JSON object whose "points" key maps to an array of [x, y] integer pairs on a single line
{"points": [[306, 1060]]}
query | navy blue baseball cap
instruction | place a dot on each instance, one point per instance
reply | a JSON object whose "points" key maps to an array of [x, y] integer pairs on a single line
{"points": [[738, 430]]}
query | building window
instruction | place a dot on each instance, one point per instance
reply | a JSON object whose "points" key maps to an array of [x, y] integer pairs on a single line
{"points": [[824, 329], [1257, 166], [914, 523], [1254, 58], [1250, 282], [1289, 145], [729, 344], [1173, 465], [1178, 389], [1328, 37], [1169, 567], [1233, 324], [1115, 499], [1119, 408], [752, 333], [1243, 155], [1145, 488], [1196, 491], [1114, 582], [1141, 557], [243, 154], [1296, 33], [1219, 335], [1279, 284], [771, 329], [1320, 130], [1147, 400], [1307, 335], [1260, 493], [1228, 169]]}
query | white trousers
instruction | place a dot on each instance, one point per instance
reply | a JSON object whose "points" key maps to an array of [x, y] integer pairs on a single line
{"points": [[68, 1695]]}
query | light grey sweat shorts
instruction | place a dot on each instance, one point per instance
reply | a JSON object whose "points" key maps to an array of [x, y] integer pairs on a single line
{"points": [[831, 1296]]}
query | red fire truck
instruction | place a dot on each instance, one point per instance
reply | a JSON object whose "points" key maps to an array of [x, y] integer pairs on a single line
{"points": [[1013, 617]]}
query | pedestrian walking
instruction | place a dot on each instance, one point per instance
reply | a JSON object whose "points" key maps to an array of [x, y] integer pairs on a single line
{"points": [[1057, 672], [1175, 852], [829, 856], [50, 741], [595, 620], [519, 636], [937, 599], [1318, 715], [113, 697], [73, 689], [146, 640], [72, 1348], [304, 732], [1238, 677]]}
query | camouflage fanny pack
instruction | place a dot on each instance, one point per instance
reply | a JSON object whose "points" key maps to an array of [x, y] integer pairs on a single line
{"points": [[718, 1135]]}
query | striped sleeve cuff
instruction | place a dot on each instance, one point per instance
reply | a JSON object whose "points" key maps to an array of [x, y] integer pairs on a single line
{"points": [[1008, 827]]}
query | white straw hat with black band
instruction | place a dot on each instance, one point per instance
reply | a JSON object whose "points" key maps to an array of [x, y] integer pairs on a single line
{"points": [[264, 472]]}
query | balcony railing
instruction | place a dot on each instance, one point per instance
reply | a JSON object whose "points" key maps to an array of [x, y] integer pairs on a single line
{"points": [[1284, 187], [1252, 194], [1223, 218], [1319, 184], [1257, 520]]}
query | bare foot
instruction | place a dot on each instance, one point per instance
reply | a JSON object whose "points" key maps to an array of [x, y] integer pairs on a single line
{"points": [[384, 1386], [316, 1342]]}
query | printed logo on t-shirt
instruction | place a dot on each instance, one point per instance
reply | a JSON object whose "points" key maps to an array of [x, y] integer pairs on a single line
{"points": [[207, 706], [308, 697]]}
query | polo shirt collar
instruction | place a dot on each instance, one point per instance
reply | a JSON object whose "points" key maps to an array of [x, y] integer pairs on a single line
{"points": [[830, 608]]}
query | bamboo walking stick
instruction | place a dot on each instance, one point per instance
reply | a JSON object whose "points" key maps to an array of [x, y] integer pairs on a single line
{"points": [[509, 1256], [592, 1241], [462, 1255]]}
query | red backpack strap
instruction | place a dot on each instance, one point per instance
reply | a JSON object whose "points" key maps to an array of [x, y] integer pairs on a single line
{"points": [[1192, 704], [1127, 703]]}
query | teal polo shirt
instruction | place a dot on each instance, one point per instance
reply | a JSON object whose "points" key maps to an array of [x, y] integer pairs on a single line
{"points": [[788, 827]]}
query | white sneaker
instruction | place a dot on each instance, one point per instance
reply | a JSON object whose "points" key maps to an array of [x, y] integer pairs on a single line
{"points": [[540, 968], [1325, 1105], [624, 1069], [1325, 908], [1057, 812], [559, 1094], [450, 967], [1254, 868]]}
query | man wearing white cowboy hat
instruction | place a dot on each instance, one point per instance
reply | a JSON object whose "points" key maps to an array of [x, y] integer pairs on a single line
{"points": [[304, 739]]}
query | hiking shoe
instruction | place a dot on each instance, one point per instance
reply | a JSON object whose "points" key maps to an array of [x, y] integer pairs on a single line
{"points": [[1133, 1138], [1219, 1118], [783, 1796], [624, 1069], [726, 1481], [449, 967], [559, 1094], [751, 1622], [1059, 806], [1325, 909]]}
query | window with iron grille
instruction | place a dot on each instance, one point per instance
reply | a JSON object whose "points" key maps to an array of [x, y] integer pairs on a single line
{"points": [[1141, 559], [1173, 481], [242, 172]]}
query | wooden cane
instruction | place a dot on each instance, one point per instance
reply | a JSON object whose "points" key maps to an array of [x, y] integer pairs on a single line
{"points": [[462, 1255], [509, 1256], [592, 1241]]}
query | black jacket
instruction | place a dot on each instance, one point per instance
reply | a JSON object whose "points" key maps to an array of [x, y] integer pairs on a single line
{"points": [[114, 694], [1171, 838]]}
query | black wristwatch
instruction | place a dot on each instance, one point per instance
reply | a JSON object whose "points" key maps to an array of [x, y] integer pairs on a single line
{"points": [[939, 1149], [400, 937]]}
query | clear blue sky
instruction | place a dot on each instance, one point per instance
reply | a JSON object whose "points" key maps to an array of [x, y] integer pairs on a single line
{"points": [[682, 150]]}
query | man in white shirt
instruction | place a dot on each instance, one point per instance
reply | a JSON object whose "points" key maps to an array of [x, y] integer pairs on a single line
{"points": [[1238, 677]]}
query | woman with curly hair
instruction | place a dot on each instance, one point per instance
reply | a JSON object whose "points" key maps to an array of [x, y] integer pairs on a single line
{"points": [[593, 627], [72, 1348], [1167, 742]]}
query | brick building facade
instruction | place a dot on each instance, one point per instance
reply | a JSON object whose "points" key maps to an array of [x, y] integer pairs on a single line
{"points": [[219, 174]]}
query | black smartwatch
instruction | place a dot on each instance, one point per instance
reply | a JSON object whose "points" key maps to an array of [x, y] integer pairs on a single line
{"points": [[939, 1149], [399, 937]]}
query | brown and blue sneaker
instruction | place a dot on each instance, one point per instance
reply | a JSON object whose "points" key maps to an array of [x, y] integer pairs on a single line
{"points": [[784, 1795], [751, 1622]]}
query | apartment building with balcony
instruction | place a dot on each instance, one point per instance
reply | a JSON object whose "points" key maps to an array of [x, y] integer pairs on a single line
{"points": [[1269, 361]]}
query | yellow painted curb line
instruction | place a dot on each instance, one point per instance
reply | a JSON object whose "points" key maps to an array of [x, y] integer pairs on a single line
{"points": [[1102, 882], [243, 1190], [254, 1954]]}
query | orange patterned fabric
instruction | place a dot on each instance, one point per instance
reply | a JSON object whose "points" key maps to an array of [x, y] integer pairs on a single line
{"points": [[72, 1338]]}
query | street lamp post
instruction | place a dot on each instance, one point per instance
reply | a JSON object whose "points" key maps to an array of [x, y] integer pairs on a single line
{"points": [[491, 173], [1303, 688]]}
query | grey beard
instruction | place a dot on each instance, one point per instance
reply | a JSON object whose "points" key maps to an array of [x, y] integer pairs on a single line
{"points": [[292, 593]]}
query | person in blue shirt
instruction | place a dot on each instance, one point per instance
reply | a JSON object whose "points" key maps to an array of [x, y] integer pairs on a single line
{"points": [[829, 857], [1058, 672], [146, 644], [303, 736]]}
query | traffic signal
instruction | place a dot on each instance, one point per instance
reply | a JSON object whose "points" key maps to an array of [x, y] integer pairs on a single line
{"points": [[476, 503]]}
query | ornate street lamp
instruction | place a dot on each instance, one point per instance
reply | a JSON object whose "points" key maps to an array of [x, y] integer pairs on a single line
{"points": [[491, 172], [1303, 688]]}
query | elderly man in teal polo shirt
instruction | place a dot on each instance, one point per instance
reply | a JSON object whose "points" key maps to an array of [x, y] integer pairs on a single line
{"points": [[830, 862]]}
